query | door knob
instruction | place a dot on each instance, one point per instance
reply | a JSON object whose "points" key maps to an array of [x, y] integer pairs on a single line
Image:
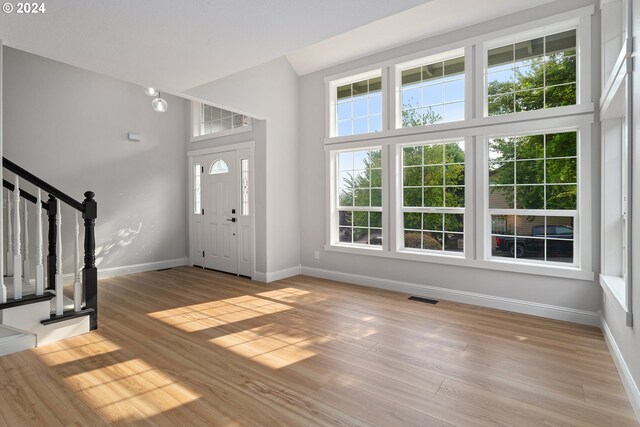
{"points": [[231, 219]]}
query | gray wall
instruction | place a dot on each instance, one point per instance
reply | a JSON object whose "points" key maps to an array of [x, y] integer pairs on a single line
{"points": [[576, 294], [270, 92], [628, 338], [69, 127]]}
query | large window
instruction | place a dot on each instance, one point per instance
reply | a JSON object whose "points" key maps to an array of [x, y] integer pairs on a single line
{"points": [[433, 178], [359, 197], [483, 155], [433, 93], [359, 107], [533, 195], [533, 74]]}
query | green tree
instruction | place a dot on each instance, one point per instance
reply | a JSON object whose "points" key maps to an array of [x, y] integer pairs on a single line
{"points": [[410, 117]]}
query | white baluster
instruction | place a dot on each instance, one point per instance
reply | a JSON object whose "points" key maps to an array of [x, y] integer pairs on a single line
{"points": [[25, 262], [9, 237], [17, 254], [39, 266], [59, 276], [77, 285]]}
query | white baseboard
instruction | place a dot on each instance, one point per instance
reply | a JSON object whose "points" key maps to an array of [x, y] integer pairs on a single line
{"points": [[627, 379], [140, 268], [272, 276], [519, 306]]}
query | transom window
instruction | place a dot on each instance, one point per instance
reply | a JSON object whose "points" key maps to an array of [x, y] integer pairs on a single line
{"points": [[433, 93], [533, 195], [433, 185], [359, 194], [359, 107], [532, 75], [208, 120]]}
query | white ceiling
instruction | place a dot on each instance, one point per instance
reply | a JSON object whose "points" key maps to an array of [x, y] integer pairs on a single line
{"points": [[176, 44], [429, 19]]}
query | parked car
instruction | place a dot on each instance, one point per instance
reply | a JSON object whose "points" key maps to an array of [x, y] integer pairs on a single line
{"points": [[523, 246]]}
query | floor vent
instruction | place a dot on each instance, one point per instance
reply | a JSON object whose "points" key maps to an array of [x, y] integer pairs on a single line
{"points": [[427, 300], [164, 269]]}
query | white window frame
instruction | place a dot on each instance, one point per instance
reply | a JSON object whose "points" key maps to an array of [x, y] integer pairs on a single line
{"points": [[438, 57], [196, 120], [333, 219], [475, 129], [332, 99], [616, 103], [583, 145], [400, 209], [579, 21]]}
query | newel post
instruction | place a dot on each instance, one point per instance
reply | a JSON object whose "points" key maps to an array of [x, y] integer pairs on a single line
{"points": [[51, 254], [90, 271]]}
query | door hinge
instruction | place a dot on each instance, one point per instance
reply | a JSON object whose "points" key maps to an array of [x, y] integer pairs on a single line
{"points": [[202, 211], [201, 169], [202, 254]]}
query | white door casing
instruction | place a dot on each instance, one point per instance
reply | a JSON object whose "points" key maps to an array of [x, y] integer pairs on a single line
{"points": [[215, 241]]}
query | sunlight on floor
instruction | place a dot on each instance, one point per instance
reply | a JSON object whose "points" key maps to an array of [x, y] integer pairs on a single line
{"points": [[199, 317], [119, 390], [130, 390], [75, 349]]}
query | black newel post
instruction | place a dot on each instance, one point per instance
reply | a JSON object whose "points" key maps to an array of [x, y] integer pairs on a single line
{"points": [[51, 255], [90, 272]]}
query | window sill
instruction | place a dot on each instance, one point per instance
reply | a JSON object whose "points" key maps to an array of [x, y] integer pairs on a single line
{"points": [[221, 134], [617, 287], [460, 260]]}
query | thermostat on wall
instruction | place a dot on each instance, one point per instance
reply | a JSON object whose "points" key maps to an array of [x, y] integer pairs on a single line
{"points": [[134, 136]]}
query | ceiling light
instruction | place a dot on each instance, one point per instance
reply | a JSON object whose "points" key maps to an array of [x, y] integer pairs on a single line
{"points": [[159, 104], [150, 91]]}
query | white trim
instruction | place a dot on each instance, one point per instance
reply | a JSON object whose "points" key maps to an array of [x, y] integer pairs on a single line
{"points": [[617, 286], [139, 268], [630, 386], [518, 306], [220, 148], [215, 135], [474, 126], [272, 276]]}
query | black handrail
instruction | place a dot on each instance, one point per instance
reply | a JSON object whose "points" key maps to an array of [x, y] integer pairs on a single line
{"points": [[28, 196], [28, 176]]}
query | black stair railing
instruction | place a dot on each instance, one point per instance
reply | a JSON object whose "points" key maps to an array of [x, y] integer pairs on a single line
{"points": [[89, 210]]}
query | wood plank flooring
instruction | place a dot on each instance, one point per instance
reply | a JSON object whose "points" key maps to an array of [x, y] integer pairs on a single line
{"points": [[186, 347]]}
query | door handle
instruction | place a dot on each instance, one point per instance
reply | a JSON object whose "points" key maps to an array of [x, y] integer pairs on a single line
{"points": [[231, 219]]}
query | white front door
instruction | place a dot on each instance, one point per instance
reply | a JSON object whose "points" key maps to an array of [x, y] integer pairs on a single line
{"points": [[220, 205]]}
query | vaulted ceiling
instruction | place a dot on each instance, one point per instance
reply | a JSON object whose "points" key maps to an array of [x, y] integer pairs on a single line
{"points": [[178, 45]]}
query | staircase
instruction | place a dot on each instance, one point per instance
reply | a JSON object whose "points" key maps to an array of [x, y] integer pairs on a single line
{"points": [[34, 309]]}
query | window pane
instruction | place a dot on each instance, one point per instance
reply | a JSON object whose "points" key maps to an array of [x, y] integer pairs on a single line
{"points": [[244, 183], [532, 75], [412, 239], [358, 184], [546, 169], [434, 95], [197, 208], [454, 242], [359, 107], [413, 220]]}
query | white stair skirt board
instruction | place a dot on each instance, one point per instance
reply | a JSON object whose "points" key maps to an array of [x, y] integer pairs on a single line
{"points": [[566, 314], [630, 386], [28, 317], [14, 340]]}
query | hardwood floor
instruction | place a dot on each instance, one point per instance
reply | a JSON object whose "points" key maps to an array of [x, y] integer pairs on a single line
{"points": [[193, 347]]}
